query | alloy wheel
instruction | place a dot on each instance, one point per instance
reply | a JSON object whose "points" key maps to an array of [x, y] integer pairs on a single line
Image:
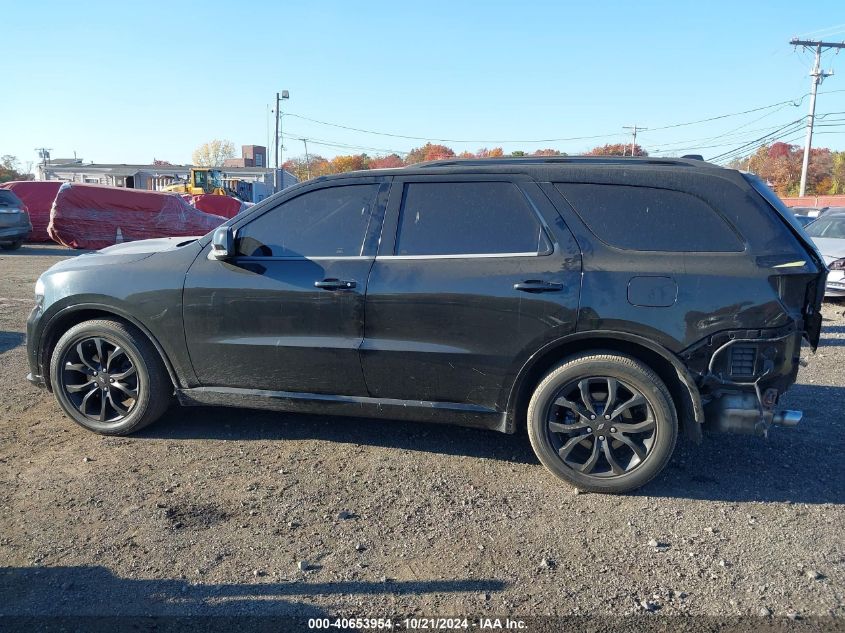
{"points": [[601, 426], [100, 379]]}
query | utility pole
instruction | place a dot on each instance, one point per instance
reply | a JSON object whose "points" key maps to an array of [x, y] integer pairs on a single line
{"points": [[634, 129], [817, 76], [307, 159], [44, 155], [284, 94]]}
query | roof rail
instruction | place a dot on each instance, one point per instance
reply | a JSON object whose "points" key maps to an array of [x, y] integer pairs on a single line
{"points": [[540, 160]]}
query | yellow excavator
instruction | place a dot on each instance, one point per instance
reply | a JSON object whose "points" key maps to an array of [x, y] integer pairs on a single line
{"points": [[201, 180]]}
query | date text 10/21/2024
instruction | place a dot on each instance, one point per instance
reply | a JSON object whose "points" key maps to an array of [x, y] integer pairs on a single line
{"points": [[417, 624]]}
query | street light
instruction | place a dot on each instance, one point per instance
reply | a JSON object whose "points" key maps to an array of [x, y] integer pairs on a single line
{"points": [[284, 94]]}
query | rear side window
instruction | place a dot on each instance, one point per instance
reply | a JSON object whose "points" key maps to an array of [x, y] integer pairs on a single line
{"points": [[468, 218], [650, 219], [9, 199], [330, 222]]}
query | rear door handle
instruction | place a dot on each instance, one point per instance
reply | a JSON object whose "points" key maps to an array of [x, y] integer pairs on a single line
{"points": [[538, 285], [335, 284]]}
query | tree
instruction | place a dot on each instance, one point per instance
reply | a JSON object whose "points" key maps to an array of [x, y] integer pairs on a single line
{"points": [[354, 162], [427, 152], [617, 149], [10, 169], [496, 152], [780, 164], [547, 152], [387, 162], [213, 153]]}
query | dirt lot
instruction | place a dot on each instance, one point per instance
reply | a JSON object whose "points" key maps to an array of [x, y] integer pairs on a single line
{"points": [[212, 511]]}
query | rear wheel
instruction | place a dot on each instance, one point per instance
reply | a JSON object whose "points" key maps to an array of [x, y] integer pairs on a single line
{"points": [[603, 423], [11, 246], [108, 377]]}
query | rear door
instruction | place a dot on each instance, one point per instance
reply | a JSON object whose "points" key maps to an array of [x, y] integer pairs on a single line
{"points": [[287, 313], [474, 273]]}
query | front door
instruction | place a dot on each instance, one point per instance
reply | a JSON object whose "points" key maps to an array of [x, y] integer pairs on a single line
{"points": [[474, 273], [287, 312]]}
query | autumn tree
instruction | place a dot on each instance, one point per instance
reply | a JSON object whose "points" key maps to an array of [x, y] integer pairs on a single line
{"points": [[617, 149], [354, 162], [10, 169], [547, 152], [387, 162], [427, 152], [496, 152], [213, 153]]}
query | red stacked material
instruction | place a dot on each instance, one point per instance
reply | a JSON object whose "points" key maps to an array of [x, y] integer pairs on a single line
{"points": [[90, 216], [217, 205], [38, 196]]}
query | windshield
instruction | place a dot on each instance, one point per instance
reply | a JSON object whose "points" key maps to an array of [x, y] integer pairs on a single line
{"points": [[827, 227]]}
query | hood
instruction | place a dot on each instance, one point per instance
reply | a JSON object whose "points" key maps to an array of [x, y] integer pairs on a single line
{"points": [[122, 253], [831, 248], [147, 247]]}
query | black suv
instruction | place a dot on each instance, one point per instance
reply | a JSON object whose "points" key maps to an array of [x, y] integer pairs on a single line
{"points": [[603, 304], [14, 221]]}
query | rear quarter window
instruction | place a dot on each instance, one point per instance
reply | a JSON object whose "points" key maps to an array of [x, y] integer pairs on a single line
{"points": [[651, 219], [9, 199]]}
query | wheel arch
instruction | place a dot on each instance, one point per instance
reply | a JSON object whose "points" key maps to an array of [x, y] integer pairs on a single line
{"points": [[66, 318], [677, 377]]}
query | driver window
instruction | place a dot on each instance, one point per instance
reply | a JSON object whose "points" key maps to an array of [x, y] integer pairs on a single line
{"points": [[329, 222]]}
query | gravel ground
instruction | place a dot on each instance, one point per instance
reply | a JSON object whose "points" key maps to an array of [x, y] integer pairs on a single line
{"points": [[222, 512]]}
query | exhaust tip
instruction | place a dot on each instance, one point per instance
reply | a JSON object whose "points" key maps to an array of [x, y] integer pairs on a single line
{"points": [[787, 418]]}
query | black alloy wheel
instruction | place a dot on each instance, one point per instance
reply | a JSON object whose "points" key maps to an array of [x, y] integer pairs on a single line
{"points": [[108, 377], [100, 379], [603, 422], [601, 426]]}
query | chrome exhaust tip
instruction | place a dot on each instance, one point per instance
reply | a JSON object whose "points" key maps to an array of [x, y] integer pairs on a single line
{"points": [[787, 418]]}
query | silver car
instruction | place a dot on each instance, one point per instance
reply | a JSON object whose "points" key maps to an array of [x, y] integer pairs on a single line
{"points": [[828, 232]]}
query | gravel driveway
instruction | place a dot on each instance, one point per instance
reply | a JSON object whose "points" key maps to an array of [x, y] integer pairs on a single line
{"points": [[227, 511]]}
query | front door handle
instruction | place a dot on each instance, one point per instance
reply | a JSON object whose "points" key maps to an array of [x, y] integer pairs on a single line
{"points": [[538, 285], [335, 284]]}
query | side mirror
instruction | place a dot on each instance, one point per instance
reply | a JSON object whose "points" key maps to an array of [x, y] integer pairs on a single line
{"points": [[222, 243]]}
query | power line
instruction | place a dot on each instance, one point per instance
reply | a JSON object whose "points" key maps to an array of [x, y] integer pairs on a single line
{"points": [[793, 102], [780, 132]]}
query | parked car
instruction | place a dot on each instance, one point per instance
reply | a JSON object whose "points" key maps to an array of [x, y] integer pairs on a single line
{"points": [[602, 303], [828, 232], [807, 212], [14, 221], [804, 220]]}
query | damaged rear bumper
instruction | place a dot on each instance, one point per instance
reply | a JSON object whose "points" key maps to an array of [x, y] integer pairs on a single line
{"points": [[741, 376]]}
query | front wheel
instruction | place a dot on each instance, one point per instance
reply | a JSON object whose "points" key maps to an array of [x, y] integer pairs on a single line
{"points": [[108, 377], [603, 423]]}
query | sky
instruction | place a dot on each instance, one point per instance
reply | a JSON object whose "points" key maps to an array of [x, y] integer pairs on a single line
{"points": [[120, 85]]}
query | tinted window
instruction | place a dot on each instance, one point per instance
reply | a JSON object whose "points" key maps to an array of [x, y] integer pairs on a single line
{"points": [[322, 223], [467, 218], [649, 219], [9, 199], [827, 227]]}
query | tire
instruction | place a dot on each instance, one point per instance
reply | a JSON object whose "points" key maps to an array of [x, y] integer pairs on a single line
{"points": [[137, 387], [607, 459], [11, 246]]}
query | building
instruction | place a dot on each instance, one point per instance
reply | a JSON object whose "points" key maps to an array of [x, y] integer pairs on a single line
{"points": [[251, 156], [155, 177]]}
